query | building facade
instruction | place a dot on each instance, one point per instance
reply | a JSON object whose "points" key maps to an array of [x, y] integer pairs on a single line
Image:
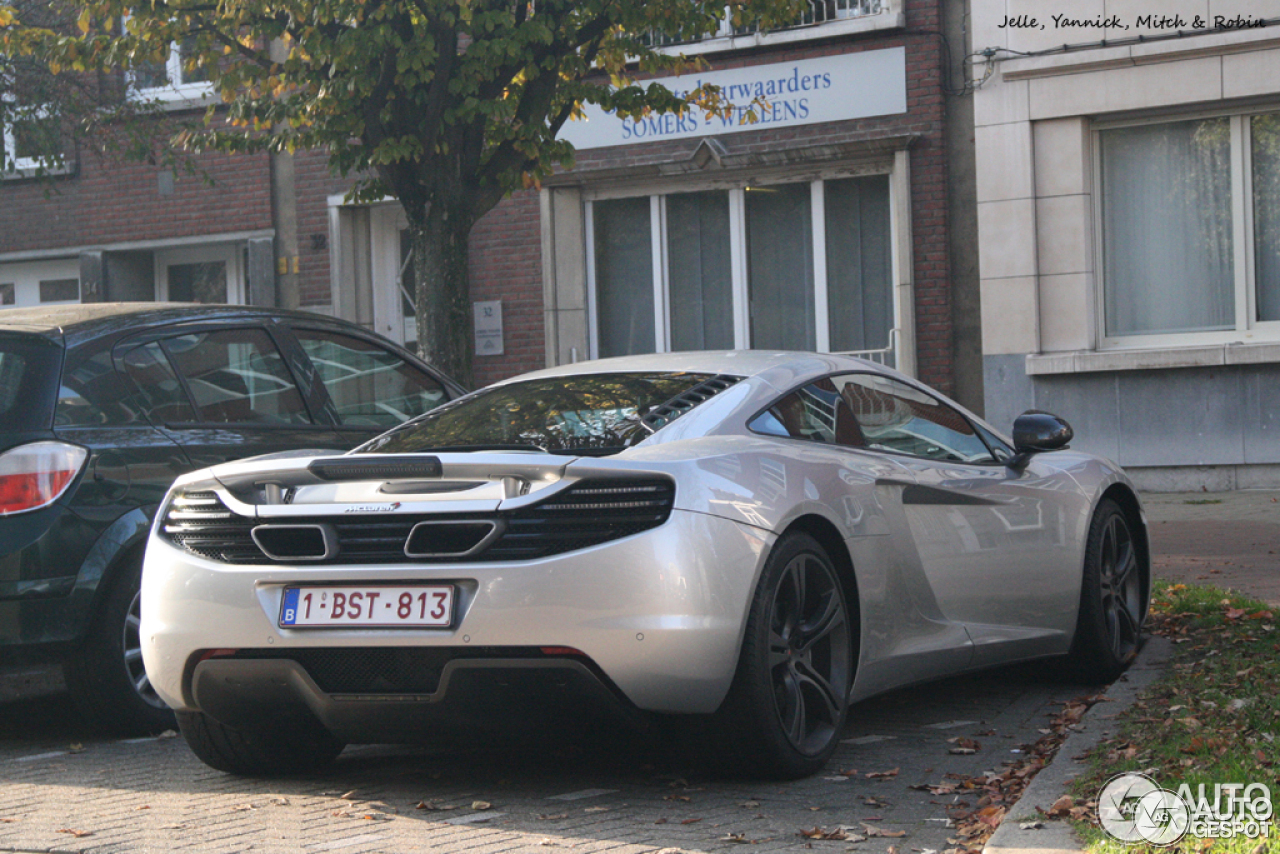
{"points": [[822, 213], [1128, 180]]}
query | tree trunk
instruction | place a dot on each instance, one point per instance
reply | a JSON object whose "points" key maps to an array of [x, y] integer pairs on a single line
{"points": [[442, 291]]}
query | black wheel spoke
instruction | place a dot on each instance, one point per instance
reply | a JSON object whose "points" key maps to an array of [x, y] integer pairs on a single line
{"points": [[779, 650], [832, 617], [832, 702], [797, 574], [791, 707]]}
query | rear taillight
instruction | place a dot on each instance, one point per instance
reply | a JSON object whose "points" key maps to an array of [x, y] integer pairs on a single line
{"points": [[34, 476]]}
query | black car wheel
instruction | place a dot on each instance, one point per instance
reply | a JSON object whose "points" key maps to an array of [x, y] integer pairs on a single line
{"points": [[1113, 602], [292, 746], [106, 676], [788, 702]]}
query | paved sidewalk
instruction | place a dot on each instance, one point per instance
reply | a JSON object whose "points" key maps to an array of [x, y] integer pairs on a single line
{"points": [[1229, 539]]}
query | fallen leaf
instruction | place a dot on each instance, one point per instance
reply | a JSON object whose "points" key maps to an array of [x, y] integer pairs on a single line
{"points": [[837, 834], [477, 805], [548, 841], [432, 805], [749, 804], [596, 809], [691, 821], [78, 834], [553, 817], [676, 798], [870, 831], [1062, 806], [347, 796], [881, 775], [736, 837]]}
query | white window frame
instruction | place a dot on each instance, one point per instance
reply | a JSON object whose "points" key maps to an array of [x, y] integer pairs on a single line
{"points": [[25, 167], [1246, 329], [900, 337], [175, 92]]}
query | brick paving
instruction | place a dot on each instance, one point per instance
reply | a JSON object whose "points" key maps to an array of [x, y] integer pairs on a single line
{"points": [[152, 795]]}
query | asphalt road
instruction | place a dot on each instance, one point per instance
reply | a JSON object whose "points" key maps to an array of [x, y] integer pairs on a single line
{"points": [[63, 789]]}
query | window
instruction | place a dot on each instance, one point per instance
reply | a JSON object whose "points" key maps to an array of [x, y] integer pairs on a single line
{"points": [[369, 386], [159, 393], [798, 266], [1189, 213], [878, 413], [594, 414], [896, 417], [93, 393], [237, 376], [30, 140], [60, 290], [202, 273], [816, 413], [177, 78]]}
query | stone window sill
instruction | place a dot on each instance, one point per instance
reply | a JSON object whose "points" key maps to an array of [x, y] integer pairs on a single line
{"points": [[1210, 356]]}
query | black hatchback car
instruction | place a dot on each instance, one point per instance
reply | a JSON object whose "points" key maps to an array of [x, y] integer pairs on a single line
{"points": [[102, 406]]}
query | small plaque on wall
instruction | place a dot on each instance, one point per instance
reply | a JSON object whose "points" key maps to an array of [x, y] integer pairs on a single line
{"points": [[488, 328]]}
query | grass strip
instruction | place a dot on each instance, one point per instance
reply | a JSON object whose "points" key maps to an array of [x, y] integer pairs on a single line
{"points": [[1214, 718]]}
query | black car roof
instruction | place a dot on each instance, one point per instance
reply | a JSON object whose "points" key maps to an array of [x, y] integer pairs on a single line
{"points": [[84, 322]]}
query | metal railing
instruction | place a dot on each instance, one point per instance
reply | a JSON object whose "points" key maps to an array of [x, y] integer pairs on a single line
{"points": [[887, 356], [815, 12]]}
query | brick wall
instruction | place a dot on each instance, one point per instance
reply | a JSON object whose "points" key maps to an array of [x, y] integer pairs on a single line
{"points": [[108, 201], [506, 264], [313, 186]]}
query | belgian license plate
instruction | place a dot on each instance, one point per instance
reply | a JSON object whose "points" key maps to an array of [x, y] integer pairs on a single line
{"points": [[384, 606]]}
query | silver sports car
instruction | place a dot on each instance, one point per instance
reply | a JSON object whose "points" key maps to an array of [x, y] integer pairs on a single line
{"points": [[748, 538]]}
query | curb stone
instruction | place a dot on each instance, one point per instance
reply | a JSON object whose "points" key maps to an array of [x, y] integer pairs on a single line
{"points": [[1057, 837]]}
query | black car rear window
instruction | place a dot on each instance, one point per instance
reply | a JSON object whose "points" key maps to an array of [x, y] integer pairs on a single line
{"points": [[594, 414], [29, 366]]}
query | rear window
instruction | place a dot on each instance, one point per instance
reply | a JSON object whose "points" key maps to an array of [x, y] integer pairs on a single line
{"points": [[594, 414], [29, 368]]}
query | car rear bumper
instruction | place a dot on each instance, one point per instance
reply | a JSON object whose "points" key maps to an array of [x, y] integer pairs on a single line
{"points": [[658, 615], [475, 696]]}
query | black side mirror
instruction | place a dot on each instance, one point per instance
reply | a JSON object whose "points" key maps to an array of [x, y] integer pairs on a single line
{"points": [[1035, 431]]}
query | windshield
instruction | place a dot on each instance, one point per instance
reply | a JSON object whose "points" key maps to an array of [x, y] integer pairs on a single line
{"points": [[29, 368], [589, 414]]}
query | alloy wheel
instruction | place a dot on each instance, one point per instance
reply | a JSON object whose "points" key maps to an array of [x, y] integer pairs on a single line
{"points": [[1120, 584], [133, 655], [809, 653]]}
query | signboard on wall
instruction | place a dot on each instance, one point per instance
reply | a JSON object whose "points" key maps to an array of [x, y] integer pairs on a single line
{"points": [[781, 94], [488, 317]]}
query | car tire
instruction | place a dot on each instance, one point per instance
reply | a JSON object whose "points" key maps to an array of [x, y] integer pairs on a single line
{"points": [[106, 677], [1112, 599], [787, 705], [295, 748]]}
